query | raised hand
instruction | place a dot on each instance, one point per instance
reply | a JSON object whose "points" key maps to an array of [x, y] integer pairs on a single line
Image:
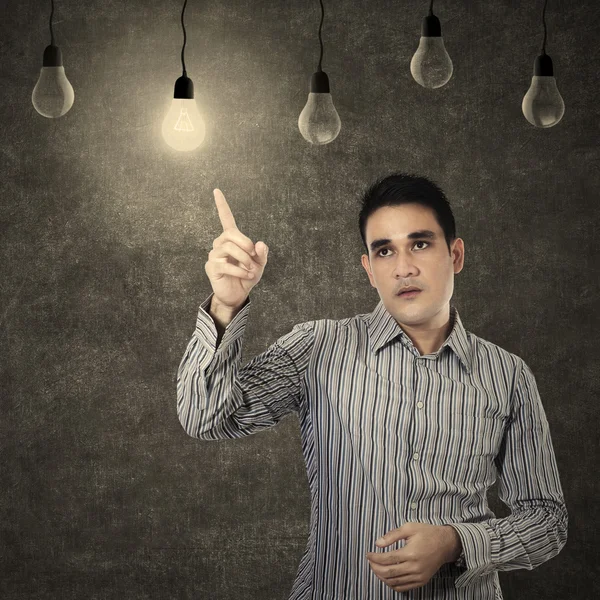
{"points": [[235, 264]]}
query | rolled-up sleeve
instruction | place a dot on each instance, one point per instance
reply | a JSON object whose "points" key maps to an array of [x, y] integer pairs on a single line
{"points": [[216, 399], [529, 484]]}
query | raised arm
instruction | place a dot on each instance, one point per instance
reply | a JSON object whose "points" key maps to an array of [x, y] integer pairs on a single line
{"points": [[215, 398]]}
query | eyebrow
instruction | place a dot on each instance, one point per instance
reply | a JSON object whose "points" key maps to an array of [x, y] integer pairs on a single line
{"points": [[424, 233]]}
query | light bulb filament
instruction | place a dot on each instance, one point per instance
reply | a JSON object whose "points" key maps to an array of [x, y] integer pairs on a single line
{"points": [[183, 122]]}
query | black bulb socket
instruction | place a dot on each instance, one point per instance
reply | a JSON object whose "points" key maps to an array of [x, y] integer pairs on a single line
{"points": [[543, 66], [52, 56], [319, 83], [431, 27], [184, 88]]}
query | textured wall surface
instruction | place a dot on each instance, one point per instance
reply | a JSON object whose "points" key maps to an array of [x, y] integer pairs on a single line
{"points": [[104, 232]]}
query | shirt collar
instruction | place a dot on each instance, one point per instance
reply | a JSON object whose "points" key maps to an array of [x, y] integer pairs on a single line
{"points": [[383, 328]]}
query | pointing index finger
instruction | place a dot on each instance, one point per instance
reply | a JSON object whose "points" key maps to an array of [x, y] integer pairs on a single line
{"points": [[225, 214]]}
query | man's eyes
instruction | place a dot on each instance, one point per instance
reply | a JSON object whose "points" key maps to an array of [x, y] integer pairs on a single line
{"points": [[417, 242]]}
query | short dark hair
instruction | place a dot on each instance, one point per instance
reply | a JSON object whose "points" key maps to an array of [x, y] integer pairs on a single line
{"points": [[406, 188]]}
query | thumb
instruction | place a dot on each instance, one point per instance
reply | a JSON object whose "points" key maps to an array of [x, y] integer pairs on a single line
{"points": [[392, 536], [261, 252]]}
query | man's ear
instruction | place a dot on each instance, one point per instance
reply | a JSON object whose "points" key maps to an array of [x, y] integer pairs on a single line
{"points": [[458, 250], [367, 267]]}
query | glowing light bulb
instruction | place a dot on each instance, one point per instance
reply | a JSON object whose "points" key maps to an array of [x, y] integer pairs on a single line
{"points": [[53, 94], [319, 122], [543, 105], [431, 66], [183, 127]]}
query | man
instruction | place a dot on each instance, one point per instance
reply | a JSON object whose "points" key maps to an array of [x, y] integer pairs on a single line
{"points": [[406, 418]]}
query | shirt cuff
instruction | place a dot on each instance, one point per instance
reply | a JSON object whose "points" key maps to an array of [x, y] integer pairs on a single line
{"points": [[206, 329], [476, 539]]}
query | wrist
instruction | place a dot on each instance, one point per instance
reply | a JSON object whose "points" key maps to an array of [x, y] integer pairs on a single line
{"points": [[454, 544], [222, 313]]}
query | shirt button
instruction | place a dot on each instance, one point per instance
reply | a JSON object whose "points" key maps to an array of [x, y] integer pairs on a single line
{"points": [[413, 505], [416, 455], [420, 404]]}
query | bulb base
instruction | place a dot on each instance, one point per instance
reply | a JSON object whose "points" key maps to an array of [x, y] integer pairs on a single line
{"points": [[319, 83], [431, 27], [184, 88], [52, 56], [543, 66]]}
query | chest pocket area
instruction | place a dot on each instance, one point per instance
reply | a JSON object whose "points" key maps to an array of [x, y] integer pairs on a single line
{"points": [[476, 435], [476, 422], [473, 442]]}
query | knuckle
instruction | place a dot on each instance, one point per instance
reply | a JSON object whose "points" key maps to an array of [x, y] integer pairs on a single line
{"points": [[227, 248]]}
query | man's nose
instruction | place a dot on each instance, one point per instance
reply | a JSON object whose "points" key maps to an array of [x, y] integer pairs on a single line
{"points": [[404, 266]]}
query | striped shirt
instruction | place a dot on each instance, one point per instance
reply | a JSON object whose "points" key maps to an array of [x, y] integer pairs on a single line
{"points": [[390, 436]]}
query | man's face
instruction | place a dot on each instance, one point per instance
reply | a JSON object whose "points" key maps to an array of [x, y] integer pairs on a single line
{"points": [[422, 261]]}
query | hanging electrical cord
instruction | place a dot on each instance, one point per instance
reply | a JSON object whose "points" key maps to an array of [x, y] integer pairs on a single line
{"points": [[51, 32], [545, 31], [184, 40], [321, 39]]}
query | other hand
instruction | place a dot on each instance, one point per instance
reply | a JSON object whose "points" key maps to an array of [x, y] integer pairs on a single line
{"points": [[428, 547]]}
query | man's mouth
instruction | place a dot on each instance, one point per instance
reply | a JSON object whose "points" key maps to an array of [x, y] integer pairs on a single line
{"points": [[410, 294]]}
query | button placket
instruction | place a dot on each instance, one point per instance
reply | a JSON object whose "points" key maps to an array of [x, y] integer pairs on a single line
{"points": [[417, 363]]}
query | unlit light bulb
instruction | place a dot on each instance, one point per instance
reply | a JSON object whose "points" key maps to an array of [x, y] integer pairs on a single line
{"points": [[431, 65], [319, 122], [543, 105], [53, 94], [183, 127]]}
